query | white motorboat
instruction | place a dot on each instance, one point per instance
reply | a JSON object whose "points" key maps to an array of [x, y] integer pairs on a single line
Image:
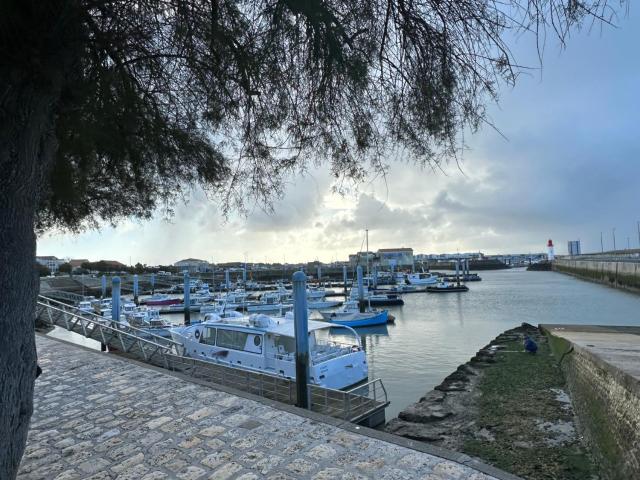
{"points": [[86, 306], [422, 279], [316, 293], [149, 320], [377, 299], [267, 345], [323, 303], [272, 302]]}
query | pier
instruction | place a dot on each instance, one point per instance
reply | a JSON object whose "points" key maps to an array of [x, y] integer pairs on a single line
{"points": [[601, 365], [100, 416], [363, 404]]}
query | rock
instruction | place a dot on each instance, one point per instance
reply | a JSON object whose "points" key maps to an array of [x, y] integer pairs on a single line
{"points": [[451, 387], [434, 396], [423, 413], [519, 444]]}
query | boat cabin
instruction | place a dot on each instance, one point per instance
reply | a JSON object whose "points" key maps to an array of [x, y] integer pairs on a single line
{"points": [[267, 345]]}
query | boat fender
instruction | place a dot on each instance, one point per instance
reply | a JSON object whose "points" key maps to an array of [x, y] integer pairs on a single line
{"points": [[197, 334]]}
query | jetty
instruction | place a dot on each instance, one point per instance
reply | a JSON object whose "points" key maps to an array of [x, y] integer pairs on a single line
{"points": [[102, 416]]}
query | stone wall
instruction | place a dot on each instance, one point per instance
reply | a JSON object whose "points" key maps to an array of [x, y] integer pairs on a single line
{"points": [[607, 403], [624, 275]]}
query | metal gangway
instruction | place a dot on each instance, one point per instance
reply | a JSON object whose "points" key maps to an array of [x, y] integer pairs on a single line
{"points": [[363, 404]]}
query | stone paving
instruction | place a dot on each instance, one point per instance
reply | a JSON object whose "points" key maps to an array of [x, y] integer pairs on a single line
{"points": [[101, 417]]}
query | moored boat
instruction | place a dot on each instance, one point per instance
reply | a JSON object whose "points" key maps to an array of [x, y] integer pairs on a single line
{"points": [[422, 278], [267, 345], [349, 315], [446, 287], [160, 300]]}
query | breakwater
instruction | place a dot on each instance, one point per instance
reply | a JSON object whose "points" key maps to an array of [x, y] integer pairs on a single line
{"points": [[602, 369], [623, 273], [506, 407]]}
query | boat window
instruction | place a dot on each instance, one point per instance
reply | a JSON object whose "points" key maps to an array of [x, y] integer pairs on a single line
{"points": [[208, 336], [254, 344], [232, 339], [285, 345]]}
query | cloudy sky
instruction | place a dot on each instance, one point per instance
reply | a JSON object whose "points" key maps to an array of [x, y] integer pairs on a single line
{"points": [[568, 169]]}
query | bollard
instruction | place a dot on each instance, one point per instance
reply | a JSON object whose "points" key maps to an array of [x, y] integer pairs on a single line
{"points": [[361, 302], [135, 289], [153, 284], [187, 299], [115, 299], [104, 286], [227, 283], [301, 331], [344, 278]]}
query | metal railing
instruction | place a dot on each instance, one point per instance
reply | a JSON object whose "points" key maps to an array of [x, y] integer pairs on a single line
{"points": [[354, 405], [604, 257]]}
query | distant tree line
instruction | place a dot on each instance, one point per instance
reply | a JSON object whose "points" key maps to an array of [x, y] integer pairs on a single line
{"points": [[108, 267]]}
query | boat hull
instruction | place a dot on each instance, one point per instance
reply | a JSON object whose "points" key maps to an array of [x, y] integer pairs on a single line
{"points": [[375, 302], [162, 303], [461, 288], [359, 319]]}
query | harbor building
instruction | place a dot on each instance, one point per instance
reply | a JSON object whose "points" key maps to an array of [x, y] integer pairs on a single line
{"points": [[573, 247], [361, 258], [77, 263], [51, 262], [396, 257], [193, 265]]}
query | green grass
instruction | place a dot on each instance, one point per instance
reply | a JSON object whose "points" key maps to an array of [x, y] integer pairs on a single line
{"points": [[515, 393]]}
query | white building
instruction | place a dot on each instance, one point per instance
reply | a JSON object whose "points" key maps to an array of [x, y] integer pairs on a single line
{"points": [[193, 265], [52, 263], [396, 257], [573, 247]]}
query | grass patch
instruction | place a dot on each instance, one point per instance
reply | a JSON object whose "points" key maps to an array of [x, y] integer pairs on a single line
{"points": [[515, 397]]}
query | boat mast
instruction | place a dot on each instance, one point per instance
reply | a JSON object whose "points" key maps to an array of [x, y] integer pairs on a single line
{"points": [[367, 236]]}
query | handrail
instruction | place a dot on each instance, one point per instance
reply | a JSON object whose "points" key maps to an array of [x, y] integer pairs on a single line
{"points": [[108, 327], [102, 320], [354, 405]]}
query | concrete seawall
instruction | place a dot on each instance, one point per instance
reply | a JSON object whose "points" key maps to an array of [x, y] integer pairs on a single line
{"points": [[619, 274], [602, 370]]}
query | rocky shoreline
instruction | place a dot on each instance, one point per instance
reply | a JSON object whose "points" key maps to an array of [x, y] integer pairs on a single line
{"points": [[447, 413], [507, 407]]}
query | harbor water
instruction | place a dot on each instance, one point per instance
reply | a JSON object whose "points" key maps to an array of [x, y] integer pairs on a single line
{"points": [[434, 333]]}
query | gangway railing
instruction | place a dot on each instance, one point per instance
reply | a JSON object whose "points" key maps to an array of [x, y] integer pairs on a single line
{"points": [[355, 405], [62, 295]]}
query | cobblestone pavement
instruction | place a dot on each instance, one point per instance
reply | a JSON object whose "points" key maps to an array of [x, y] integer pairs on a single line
{"points": [[101, 417]]}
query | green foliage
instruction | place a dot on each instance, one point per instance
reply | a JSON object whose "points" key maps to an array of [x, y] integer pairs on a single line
{"points": [[42, 270], [155, 97], [515, 394], [65, 268]]}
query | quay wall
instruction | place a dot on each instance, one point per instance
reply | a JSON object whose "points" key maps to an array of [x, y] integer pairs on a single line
{"points": [[618, 274], [607, 404]]}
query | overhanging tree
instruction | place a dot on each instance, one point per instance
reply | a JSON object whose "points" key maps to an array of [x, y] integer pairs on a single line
{"points": [[111, 109]]}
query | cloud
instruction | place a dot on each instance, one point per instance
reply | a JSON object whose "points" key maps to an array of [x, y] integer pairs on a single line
{"points": [[564, 166]]}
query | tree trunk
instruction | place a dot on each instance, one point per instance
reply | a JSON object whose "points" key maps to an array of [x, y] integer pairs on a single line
{"points": [[27, 145]]}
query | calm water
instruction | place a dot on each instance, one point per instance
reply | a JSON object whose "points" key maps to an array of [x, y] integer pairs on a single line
{"points": [[434, 333]]}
